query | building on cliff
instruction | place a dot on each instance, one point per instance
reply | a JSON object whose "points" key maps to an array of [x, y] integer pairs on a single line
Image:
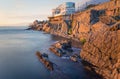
{"points": [[61, 16], [80, 24], [64, 9]]}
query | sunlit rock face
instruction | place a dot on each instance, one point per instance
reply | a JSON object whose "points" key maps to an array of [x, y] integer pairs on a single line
{"points": [[80, 24], [102, 50], [93, 18]]}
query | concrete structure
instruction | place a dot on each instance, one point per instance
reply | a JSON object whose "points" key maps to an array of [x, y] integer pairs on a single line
{"points": [[64, 9]]}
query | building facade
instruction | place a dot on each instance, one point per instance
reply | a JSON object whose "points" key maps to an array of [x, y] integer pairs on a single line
{"points": [[64, 9]]}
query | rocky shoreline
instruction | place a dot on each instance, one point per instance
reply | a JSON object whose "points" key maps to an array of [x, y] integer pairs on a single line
{"points": [[64, 49], [97, 31]]}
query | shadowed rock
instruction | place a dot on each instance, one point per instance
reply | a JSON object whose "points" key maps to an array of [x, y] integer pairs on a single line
{"points": [[62, 47], [48, 64]]}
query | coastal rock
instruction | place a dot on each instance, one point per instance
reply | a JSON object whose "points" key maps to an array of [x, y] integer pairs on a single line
{"points": [[37, 25], [75, 57], [62, 47], [43, 58], [46, 27], [65, 50], [102, 50]]}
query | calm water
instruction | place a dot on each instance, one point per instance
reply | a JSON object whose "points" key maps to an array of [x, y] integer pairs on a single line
{"points": [[18, 59]]}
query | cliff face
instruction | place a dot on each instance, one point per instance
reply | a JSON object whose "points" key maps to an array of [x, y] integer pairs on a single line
{"points": [[95, 17], [60, 25], [102, 50], [100, 26], [80, 24]]}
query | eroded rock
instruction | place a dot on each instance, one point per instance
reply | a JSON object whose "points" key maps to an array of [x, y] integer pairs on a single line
{"points": [[102, 50], [62, 47], [42, 57]]}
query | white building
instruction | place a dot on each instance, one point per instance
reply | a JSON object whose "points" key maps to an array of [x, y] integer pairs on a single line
{"points": [[64, 9]]}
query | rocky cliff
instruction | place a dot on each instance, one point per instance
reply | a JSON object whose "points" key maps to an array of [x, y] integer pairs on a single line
{"points": [[80, 24], [94, 18], [98, 28], [102, 51], [38, 25], [102, 47]]}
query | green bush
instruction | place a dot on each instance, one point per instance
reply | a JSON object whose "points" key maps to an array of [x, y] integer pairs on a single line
{"points": [[83, 40], [70, 31]]}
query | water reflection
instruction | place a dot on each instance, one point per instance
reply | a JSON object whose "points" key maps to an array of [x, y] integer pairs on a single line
{"points": [[18, 59]]}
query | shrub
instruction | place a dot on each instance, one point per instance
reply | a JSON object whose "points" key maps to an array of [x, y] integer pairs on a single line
{"points": [[70, 31], [83, 40]]}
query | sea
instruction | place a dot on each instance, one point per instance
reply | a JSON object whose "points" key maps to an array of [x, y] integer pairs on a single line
{"points": [[18, 58]]}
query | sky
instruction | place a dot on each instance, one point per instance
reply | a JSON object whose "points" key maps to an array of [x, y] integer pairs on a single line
{"points": [[24, 12]]}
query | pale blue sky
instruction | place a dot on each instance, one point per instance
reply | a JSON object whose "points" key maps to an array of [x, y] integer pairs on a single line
{"points": [[23, 12]]}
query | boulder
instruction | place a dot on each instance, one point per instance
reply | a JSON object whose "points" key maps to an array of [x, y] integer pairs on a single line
{"points": [[62, 47], [75, 57], [42, 57]]}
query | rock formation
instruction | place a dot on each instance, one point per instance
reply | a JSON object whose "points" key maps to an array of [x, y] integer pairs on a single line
{"points": [[98, 28], [43, 58], [102, 50], [37, 25], [92, 19], [61, 48], [81, 23]]}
